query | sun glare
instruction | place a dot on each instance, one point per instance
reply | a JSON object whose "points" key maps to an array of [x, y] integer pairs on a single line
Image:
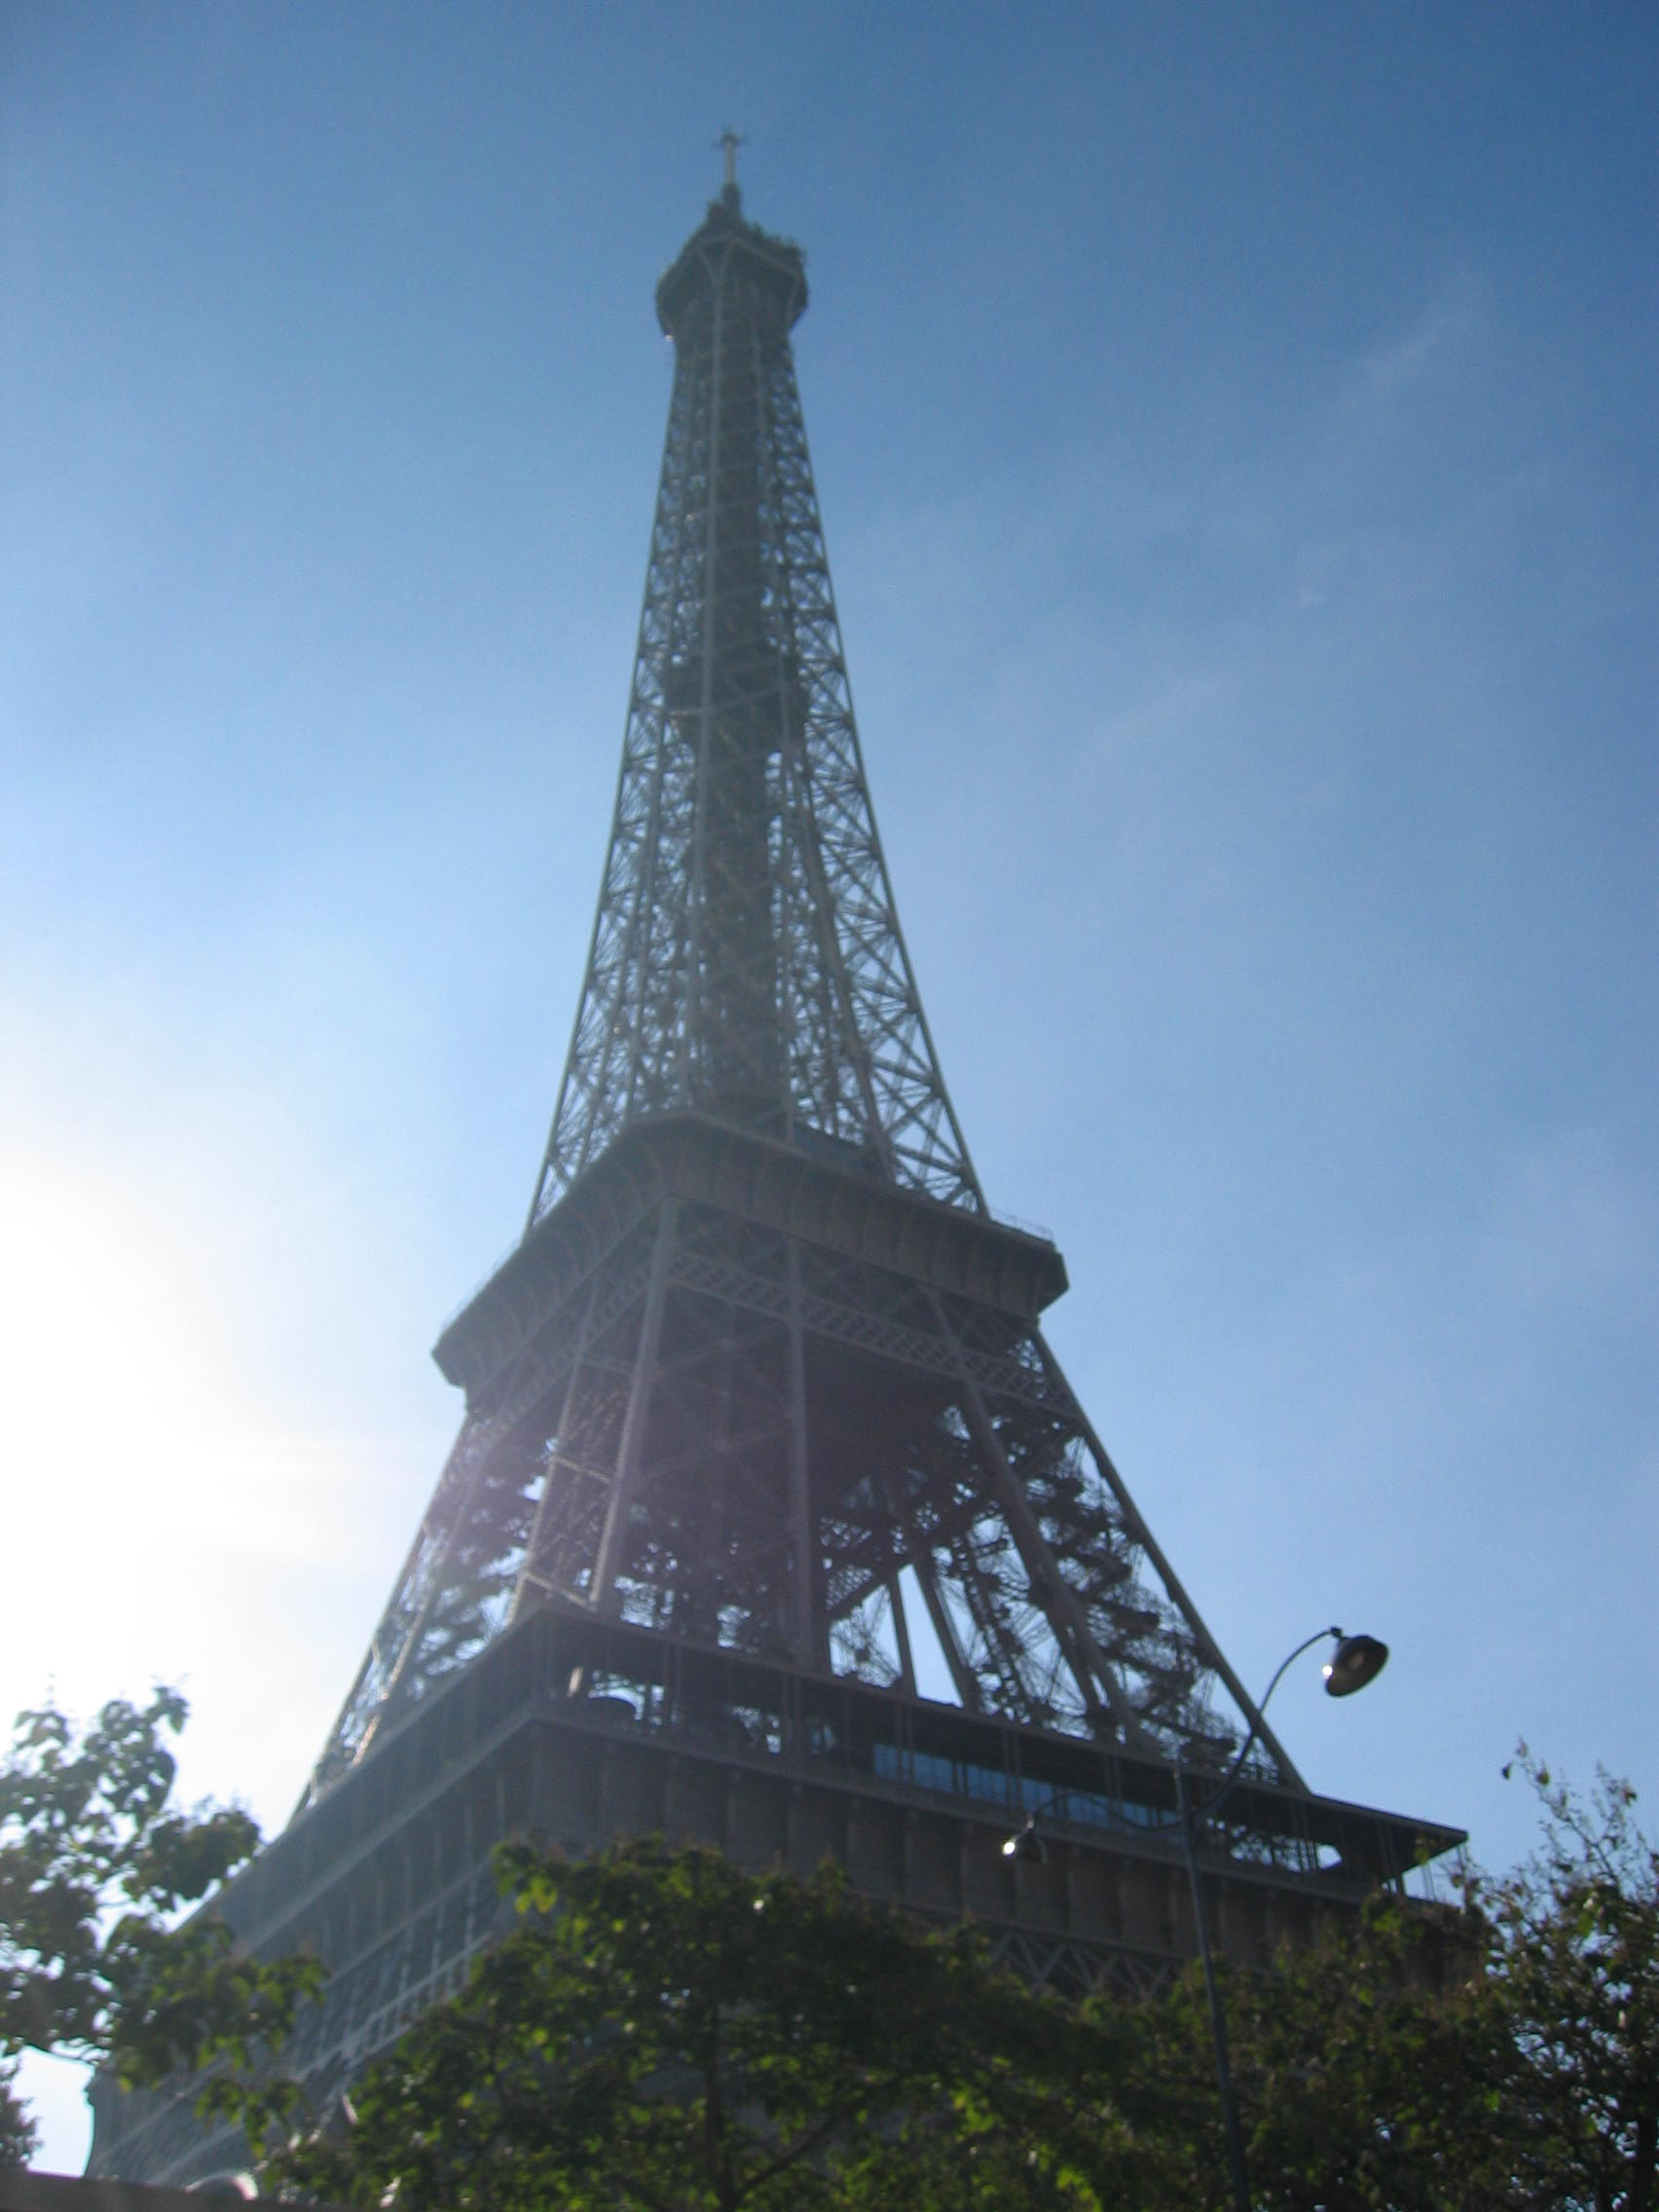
{"points": [[102, 1367], [137, 1484]]}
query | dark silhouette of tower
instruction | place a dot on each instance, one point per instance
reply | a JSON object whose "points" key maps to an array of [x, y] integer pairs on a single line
{"points": [[772, 1517]]}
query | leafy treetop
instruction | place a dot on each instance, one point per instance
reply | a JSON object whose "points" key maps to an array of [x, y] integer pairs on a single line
{"points": [[96, 1866], [663, 2030]]}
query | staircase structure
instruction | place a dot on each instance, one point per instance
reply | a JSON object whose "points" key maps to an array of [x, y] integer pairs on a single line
{"points": [[772, 1519]]}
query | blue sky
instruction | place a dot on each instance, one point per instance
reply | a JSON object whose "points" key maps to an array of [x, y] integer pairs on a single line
{"points": [[1237, 447]]}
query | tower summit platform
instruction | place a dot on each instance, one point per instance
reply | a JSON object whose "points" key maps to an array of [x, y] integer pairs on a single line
{"points": [[724, 244]]}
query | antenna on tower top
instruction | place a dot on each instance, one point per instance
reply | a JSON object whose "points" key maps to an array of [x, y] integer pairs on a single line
{"points": [[729, 142]]}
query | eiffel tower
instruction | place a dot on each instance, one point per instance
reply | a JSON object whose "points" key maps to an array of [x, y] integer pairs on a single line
{"points": [[772, 1519]]}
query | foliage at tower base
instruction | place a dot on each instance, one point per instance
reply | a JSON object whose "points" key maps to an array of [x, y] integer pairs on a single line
{"points": [[664, 2029], [666, 2034], [1499, 2058], [663, 2033], [96, 1866]]}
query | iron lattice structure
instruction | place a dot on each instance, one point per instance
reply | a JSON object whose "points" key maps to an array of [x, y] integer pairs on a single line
{"points": [[764, 1374], [772, 1520]]}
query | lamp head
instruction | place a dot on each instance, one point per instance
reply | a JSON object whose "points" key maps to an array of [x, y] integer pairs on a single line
{"points": [[1026, 1847], [1356, 1661]]}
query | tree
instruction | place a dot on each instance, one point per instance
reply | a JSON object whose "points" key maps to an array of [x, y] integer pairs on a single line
{"points": [[19, 2135], [1365, 2064], [96, 1866], [1575, 1943], [663, 2030], [1414, 2060]]}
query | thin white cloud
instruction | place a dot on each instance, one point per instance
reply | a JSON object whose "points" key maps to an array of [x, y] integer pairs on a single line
{"points": [[1414, 354]]}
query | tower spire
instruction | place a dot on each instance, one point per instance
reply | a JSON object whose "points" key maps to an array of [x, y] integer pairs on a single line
{"points": [[746, 960], [728, 143]]}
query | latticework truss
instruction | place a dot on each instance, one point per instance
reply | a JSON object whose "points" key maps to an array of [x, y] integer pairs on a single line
{"points": [[747, 959], [764, 1374]]}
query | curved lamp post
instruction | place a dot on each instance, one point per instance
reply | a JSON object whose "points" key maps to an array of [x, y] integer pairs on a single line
{"points": [[1355, 1661]]}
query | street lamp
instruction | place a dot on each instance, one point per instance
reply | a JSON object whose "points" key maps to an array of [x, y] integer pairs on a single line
{"points": [[1356, 1661]]}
